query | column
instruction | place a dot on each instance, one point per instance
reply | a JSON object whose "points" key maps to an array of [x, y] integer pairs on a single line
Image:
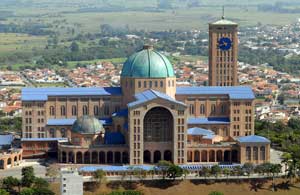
{"points": [[75, 160], [193, 156], [215, 156]]}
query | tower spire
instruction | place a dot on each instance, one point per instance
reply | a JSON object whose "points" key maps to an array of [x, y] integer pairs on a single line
{"points": [[223, 12]]}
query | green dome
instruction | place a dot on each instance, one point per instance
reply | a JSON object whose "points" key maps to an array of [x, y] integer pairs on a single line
{"points": [[147, 63], [87, 125]]}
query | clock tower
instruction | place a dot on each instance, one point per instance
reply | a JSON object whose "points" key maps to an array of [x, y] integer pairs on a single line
{"points": [[223, 52]]}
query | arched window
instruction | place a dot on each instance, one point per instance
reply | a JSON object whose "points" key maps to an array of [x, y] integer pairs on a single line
{"points": [[74, 110], [192, 111], [52, 132], [106, 110], [225, 131], [118, 128], [96, 110], [223, 109], [63, 132], [202, 109], [255, 153], [248, 153], [63, 110], [52, 111], [213, 109], [84, 110], [262, 153]]}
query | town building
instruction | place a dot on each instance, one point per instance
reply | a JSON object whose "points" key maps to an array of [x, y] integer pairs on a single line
{"points": [[71, 182]]}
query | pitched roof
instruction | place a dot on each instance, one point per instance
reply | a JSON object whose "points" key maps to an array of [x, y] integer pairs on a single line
{"points": [[6, 139], [223, 22], [210, 120], [199, 131], [42, 94], [234, 92], [151, 94], [253, 139]]}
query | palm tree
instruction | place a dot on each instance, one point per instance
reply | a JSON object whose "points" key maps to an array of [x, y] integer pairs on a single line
{"points": [[248, 168], [275, 169], [286, 159], [226, 172], [205, 171], [216, 170], [99, 176]]}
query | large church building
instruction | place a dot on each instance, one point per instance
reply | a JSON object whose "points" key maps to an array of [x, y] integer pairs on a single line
{"points": [[148, 118]]}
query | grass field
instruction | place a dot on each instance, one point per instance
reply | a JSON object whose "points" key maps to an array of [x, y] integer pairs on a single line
{"points": [[194, 188], [13, 42]]}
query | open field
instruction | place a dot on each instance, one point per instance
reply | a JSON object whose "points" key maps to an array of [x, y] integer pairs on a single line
{"points": [[13, 42], [194, 188]]}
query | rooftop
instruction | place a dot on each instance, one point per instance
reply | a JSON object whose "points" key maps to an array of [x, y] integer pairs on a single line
{"points": [[253, 139], [234, 92], [209, 120], [42, 94], [149, 95]]}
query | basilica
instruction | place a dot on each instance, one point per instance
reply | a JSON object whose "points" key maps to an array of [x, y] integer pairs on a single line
{"points": [[148, 118]]}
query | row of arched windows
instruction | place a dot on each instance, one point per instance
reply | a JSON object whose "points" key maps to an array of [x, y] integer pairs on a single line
{"points": [[84, 110], [213, 109], [261, 153]]}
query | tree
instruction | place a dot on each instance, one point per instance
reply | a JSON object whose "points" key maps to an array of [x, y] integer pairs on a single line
{"points": [[27, 191], [40, 183], [275, 169], [216, 170], [216, 193], [174, 171], [226, 172], [43, 191], [163, 166], [205, 171], [74, 47], [99, 176], [27, 176], [286, 159], [248, 168], [3, 192], [10, 182], [238, 171]]}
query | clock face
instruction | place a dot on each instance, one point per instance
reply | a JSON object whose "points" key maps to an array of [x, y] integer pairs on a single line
{"points": [[225, 43]]}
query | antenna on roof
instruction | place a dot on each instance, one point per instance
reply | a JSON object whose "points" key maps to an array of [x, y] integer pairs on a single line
{"points": [[223, 12]]}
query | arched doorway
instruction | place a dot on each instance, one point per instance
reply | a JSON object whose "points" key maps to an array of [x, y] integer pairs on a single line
{"points": [[234, 156], [147, 156], [71, 157], [79, 158], [125, 158], [102, 157], [204, 156], [168, 155], [94, 157], [63, 157], [118, 157], [189, 156], [196, 156], [15, 159], [158, 129], [157, 156], [219, 156], [1, 164], [212, 156], [227, 155], [110, 157], [87, 158], [158, 125]]}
